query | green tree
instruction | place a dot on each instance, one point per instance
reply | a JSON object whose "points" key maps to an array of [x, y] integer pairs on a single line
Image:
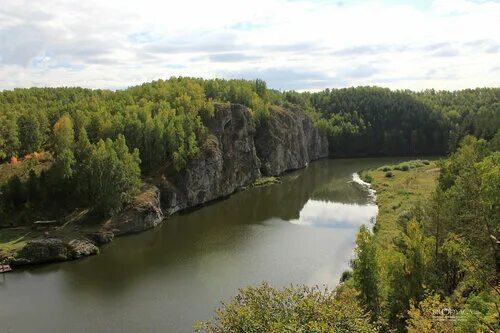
{"points": [[29, 133], [365, 269], [115, 173]]}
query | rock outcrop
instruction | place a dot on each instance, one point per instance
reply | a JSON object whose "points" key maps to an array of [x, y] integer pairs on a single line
{"points": [[143, 213], [52, 250], [227, 161], [288, 140]]}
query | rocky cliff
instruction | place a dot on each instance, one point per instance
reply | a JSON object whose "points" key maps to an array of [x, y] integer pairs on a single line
{"points": [[288, 140], [236, 152], [227, 161]]}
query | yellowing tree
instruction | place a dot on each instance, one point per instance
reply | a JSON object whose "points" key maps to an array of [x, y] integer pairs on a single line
{"points": [[64, 135]]}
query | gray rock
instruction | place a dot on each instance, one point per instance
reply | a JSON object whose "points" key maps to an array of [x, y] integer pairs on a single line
{"points": [[227, 161], [43, 250], [143, 213], [101, 237], [82, 248], [288, 140], [52, 250]]}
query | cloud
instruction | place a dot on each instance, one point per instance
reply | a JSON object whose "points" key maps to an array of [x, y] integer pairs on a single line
{"points": [[300, 44], [362, 71], [232, 57], [487, 45], [368, 50], [194, 43], [283, 78]]}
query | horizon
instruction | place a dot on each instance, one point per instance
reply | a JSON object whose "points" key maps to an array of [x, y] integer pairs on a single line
{"points": [[301, 45], [269, 88]]}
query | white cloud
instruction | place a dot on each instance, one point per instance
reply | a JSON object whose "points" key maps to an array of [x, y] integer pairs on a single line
{"points": [[113, 44]]}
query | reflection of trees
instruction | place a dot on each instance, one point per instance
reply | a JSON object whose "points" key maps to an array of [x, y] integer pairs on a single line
{"points": [[215, 227]]}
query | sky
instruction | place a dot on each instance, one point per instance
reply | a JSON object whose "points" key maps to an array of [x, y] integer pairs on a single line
{"points": [[292, 44]]}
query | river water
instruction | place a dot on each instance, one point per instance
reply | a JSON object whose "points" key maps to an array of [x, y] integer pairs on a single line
{"points": [[300, 231]]}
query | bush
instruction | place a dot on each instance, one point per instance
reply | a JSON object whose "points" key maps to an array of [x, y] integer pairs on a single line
{"points": [[405, 167], [366, 178], [389, 174], [346, 275], [293, 309], [385, 168]]}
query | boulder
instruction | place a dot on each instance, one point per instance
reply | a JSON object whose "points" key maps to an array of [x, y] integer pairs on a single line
{"points": [[143, 213], [82, 248], [43, 250]]}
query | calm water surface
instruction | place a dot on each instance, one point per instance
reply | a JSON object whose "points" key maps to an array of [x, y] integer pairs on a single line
{"points": [[300, 231]]}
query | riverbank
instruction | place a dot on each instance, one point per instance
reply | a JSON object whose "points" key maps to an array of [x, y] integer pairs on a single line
{"points": [[398, 189]]}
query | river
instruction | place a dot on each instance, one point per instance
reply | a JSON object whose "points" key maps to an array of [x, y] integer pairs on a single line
{"points": [[300, 231]]}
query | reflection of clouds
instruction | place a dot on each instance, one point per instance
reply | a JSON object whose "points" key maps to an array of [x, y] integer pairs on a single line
{"points": [[335, 214]]}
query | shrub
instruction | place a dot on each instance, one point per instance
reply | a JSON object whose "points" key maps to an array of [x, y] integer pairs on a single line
{"points": [[346, 275], [405, 167], [293, 309], [389, 174], [385, 168], [366, 178]]}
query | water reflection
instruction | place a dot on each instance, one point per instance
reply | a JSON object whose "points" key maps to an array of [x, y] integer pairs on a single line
{"points": [[335, 214]]}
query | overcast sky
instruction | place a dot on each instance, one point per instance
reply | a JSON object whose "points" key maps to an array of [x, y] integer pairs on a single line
{"points": [[294, 44]]}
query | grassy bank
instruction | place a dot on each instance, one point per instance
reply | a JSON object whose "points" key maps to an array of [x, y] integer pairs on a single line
{"points": [[399, 188]]}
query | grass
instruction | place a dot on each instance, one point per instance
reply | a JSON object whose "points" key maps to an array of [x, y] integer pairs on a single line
{"points": [[398, 193], [12, 240], [264, 181], [405, 166], [396, 196]]}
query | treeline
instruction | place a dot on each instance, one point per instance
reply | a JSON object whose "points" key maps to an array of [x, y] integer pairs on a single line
{"points": [[372, 121], [441, 273]]}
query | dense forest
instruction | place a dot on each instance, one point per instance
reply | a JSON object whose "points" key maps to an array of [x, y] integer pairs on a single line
{"points": [[62, 137]]}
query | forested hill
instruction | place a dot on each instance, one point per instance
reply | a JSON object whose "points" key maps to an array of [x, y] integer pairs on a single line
{"points": [[66, 136], [378, 121]]}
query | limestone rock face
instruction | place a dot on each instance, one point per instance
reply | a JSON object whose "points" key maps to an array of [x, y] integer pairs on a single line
{"points": [[226, 162], [288, 140], [143, 213]]}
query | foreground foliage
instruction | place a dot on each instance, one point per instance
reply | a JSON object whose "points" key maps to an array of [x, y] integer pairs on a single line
{"points": [[293, 309]]}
